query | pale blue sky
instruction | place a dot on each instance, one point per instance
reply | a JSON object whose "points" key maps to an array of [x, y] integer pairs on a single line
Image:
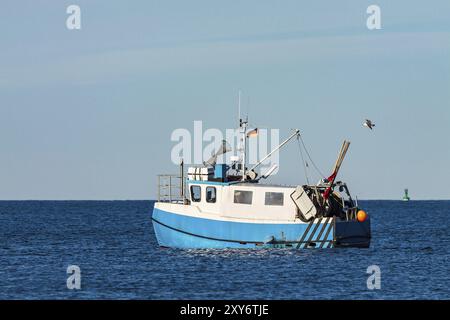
{"points": [[88, 114]]}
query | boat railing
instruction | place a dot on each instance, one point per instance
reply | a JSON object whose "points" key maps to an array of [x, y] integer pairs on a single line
{"points": [[171, 188], [351, 214]]}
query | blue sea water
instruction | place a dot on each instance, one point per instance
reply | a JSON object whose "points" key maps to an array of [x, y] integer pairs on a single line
{"points": [[114, 245]]}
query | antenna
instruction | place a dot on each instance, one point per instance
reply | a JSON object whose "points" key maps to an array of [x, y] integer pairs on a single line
{"points": [[248, 105], [239, 105]]}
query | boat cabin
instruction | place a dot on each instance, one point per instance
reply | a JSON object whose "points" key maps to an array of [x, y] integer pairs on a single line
{"points": [[243, 200]]}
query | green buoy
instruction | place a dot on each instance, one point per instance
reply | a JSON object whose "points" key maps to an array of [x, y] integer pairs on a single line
{"points": [[406, 197]]}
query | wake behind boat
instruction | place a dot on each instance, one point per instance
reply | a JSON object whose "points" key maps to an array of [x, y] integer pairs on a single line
{"points": [[227, 206]]}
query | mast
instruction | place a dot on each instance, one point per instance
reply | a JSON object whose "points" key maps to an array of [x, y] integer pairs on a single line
{"points": [[243, 130], [244, 146], [243, 125], [183, 196]]}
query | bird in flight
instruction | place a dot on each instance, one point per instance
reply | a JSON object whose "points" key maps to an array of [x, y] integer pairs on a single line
{"points": [[368, 124]]}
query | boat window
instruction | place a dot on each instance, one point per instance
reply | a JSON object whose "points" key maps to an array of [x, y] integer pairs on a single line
{"points": [[243, 197], [211, 194], [274, 198], [196, 193]]}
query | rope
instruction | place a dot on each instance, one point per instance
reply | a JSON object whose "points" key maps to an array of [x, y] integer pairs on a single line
{"points": [[310, 159], [303, 160]]}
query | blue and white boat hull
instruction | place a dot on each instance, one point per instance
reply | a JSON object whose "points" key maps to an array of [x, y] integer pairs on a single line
{"points": [[188, 231]]}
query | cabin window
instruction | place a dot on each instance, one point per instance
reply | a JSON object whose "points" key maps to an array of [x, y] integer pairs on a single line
{"points": [[196, 193], [211, 195], [243, 197], [274, 198]]}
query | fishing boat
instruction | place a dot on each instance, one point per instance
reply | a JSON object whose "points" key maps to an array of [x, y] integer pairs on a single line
{"points": [[220, 205]]}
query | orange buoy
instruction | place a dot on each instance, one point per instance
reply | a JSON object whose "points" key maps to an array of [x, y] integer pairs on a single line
{"points": [[361, 216]]}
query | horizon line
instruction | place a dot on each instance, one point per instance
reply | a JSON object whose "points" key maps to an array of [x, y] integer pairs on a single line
{"points": [[111, 200]]}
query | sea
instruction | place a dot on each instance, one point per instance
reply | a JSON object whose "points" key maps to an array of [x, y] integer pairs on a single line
{"points": [[113, 245]]}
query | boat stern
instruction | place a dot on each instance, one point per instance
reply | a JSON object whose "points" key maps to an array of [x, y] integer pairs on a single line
{"points": [[352, 233]]}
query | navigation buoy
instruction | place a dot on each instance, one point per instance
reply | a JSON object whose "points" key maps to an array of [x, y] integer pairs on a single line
{"points": [[406, 196], [361, 216]]}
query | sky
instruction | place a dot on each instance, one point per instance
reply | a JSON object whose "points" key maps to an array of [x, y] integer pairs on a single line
{"points": [[88, 114]]}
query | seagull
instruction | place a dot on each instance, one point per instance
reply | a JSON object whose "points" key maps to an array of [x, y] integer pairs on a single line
{"points": [[369, 124]]}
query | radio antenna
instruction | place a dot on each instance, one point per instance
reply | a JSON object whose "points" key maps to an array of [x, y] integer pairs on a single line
{"points": [[239, 106]]}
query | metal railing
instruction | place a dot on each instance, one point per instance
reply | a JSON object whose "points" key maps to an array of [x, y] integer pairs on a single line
{"points": [[170, 188]]}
